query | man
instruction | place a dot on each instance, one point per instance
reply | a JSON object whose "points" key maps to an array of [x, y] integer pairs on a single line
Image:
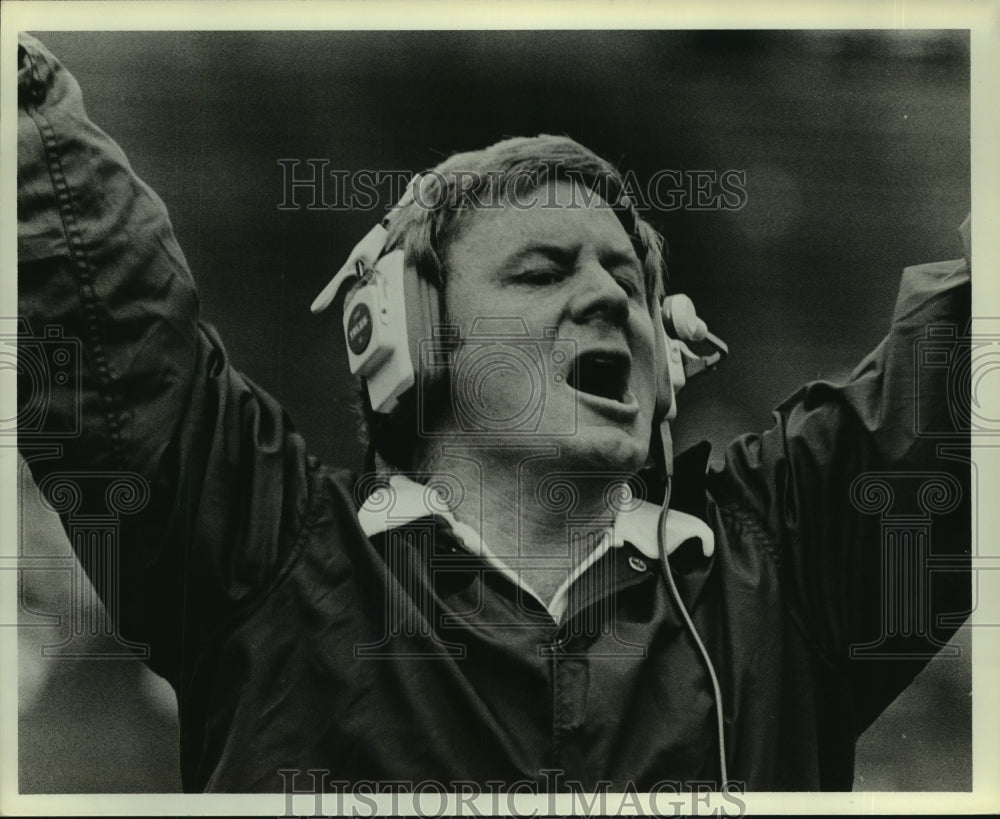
{"points": [[505, 608]]}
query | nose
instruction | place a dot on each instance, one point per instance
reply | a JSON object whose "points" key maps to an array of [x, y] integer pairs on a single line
{"points": [[598, 297]]}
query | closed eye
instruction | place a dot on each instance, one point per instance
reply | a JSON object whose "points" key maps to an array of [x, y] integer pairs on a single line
{"points": [[541, 277], [628, 285], [629, 281]]}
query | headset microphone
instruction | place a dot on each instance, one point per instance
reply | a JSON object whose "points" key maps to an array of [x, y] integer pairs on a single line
{"points": [[706, 349], [680, 331], [691, 349]]}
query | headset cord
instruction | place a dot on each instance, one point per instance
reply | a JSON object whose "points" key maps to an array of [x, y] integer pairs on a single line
{"points": [[716, 688]]}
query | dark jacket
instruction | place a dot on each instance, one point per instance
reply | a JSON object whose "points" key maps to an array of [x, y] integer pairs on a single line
{"points": [[295, 642]]}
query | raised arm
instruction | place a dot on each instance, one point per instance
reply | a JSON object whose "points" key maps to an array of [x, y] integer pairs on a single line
{"points": [[863, 489], [150, 392]]}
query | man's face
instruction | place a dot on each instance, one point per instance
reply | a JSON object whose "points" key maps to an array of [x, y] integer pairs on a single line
{"points": [[568, 266]]}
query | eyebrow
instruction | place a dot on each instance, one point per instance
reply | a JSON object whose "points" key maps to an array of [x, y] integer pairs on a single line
{"points": [[567, 255], [557, 253]]}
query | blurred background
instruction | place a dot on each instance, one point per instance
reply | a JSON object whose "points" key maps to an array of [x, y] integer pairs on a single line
{"points": [[855, 147]]}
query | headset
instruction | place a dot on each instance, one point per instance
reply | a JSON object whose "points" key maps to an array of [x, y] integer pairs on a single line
{"points": [[390, 309], [388, 312]]}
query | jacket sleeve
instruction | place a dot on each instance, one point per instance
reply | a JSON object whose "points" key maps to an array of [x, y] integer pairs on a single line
{"points": [[864, 489], [121, 383]]}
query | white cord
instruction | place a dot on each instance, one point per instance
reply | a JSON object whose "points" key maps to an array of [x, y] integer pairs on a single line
{"points": [[716, 688]]}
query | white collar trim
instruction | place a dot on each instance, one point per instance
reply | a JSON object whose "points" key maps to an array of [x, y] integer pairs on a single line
{"points": [[405, 500]]}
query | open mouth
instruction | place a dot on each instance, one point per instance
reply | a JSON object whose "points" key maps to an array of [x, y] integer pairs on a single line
{"points": [[602, 374]]}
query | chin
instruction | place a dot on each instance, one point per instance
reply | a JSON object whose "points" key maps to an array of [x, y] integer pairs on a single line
{"points": [[605, 450]]}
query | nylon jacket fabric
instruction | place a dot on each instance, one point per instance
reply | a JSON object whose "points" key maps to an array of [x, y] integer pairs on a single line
{"points": [[294, 642]]}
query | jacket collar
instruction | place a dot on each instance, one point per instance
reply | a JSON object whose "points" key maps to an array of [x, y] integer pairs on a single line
{"points": [[410, 501]]}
